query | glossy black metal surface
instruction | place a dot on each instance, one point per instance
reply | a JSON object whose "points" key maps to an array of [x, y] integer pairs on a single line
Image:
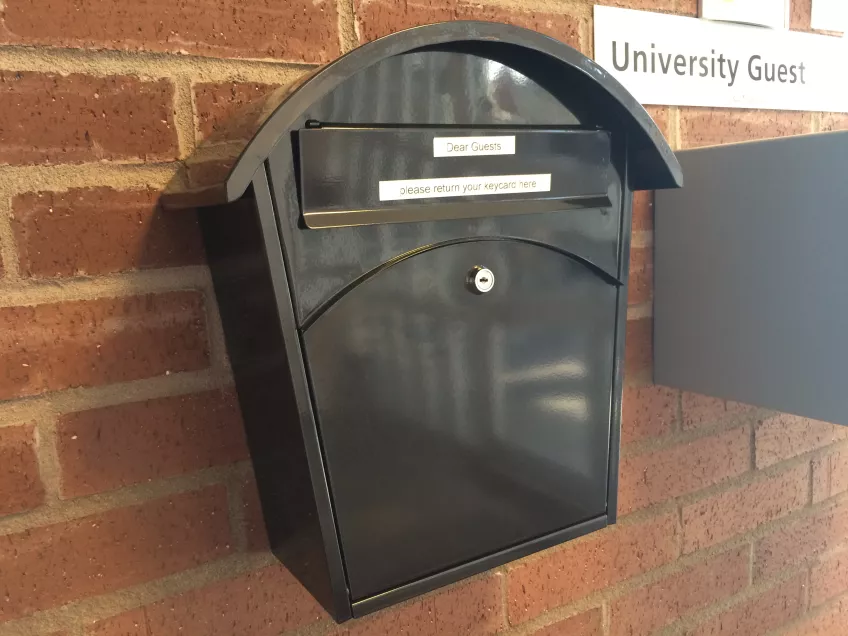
{"points": [[407, 427], [323, 262], [244, 254], [341, 169], [563, 72], [462, 423]]}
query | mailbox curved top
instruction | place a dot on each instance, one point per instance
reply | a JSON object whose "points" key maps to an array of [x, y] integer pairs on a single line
{"points": [[651, 162]]}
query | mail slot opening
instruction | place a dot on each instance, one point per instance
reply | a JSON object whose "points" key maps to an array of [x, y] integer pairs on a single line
{"points": [[524, 171]]}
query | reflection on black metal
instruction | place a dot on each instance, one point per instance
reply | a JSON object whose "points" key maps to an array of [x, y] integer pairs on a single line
{"points": [[430, 377]]}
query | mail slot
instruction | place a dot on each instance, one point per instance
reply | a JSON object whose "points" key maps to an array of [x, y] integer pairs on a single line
{"points": [[421, 266]]}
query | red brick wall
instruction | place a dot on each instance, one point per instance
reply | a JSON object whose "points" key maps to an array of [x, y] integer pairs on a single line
{"points": [[127, 504]]}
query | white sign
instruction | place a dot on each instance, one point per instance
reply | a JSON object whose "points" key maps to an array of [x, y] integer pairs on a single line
{"points": [[674, 60], [473, 146], [767, 13], [463, 186], [830, 15]]}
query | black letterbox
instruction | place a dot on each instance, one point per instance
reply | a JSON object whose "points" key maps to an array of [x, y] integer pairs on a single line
{"points": [[421, 265]]}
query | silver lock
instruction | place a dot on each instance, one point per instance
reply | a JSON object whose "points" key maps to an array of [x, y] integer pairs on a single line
{"points": [[481, 279]]}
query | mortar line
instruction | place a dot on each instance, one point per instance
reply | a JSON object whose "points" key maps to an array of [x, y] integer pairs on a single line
{"points": [[184, 116], [8, 251], [76, 288], [574, 8], [752, 465], [147, 64], [678, 416], [820, 610], [504, 596], [829, 472], [69, 510], [674, 117], [810, 483], [348, 36], [13, 412], [49, 468], [751, 563], [606, 595], [235, 509], [685, 624], [806, 598], [680, 438], [641, 311], [642, 238], [62, 177], [215, 331], [587, 36], [81, 614]]}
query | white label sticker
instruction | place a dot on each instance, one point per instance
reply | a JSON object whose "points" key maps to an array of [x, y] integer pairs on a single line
{"points": [[473, 146], [463, 186]]}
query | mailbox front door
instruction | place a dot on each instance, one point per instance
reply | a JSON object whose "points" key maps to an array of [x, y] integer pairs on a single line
{"points": [[457, 420]]}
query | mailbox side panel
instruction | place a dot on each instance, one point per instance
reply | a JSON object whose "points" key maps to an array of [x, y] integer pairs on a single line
{"points": [[237, 246], [750, 275]]}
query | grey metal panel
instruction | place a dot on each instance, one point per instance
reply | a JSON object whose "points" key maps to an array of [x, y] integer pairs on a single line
{"points": [[751, 275]]}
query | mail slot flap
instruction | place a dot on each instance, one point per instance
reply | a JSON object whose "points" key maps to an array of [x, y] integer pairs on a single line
{"points": [[357, 176]]}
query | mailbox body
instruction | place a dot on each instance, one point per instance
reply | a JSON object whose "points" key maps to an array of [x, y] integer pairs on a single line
{"points": [[407, 431]]}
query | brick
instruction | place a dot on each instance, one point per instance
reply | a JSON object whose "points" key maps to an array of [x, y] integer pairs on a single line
{"points": [[800, 540], [108, 448], [639, 351], [261, 603], [265, 602], [100, 231], [641, 282], [838, 472], [701, 411], [643, 210], [414, 618], [472, 607], [230, 28], [218, 106], [654, 606], [660, 475], [56, 564], [713, 126], [203, 174], [586, 624], [785, 436], [47, 118], [830, 475], [662, 118], [829, 578], [821, 478], [381, 17], [760, 615], [801, 15], [20, 483], [647, 412], [687, 7], [834, 121], [131, 623], [577, 569], [93, 342], [830, 621], [251, 513], [641, 5], [733, 512]]}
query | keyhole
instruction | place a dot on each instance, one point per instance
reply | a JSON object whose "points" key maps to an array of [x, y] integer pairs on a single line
{"points": [[480, 279]]}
